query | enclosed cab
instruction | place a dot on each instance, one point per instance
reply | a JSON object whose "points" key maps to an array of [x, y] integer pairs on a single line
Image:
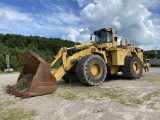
{"points": [[120, 56]]}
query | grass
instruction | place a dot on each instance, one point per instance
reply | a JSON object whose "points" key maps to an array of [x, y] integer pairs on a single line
{"points": [[1, 72], [68, 95], [7, 86], [76, 92], [150, 80], [98, 111], [122, 96], [125, 97], [10, 113], [17, 114], [152, 105], [150, 95], [153, 80]]}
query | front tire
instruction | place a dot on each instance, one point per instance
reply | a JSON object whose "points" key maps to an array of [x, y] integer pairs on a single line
{"points": [[132, 68], [91, 70]]}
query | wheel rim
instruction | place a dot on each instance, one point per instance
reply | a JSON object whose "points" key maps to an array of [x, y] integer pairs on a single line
{"points": [[136, 67], [96, 70]]}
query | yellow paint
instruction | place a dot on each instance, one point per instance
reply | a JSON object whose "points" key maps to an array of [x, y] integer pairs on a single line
{"points": [[136, 68], [96, 70]]}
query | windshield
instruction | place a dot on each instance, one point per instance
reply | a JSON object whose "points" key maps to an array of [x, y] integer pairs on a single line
{"points": [[102, 36]]}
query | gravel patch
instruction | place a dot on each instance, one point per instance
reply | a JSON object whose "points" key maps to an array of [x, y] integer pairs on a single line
{"points": [[115, 99]]}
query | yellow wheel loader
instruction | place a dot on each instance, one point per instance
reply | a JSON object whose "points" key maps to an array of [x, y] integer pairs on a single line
{"points": [[102, 57]]}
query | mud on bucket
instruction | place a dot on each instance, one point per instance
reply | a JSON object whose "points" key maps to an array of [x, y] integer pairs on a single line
{"points": [[35, 78]]}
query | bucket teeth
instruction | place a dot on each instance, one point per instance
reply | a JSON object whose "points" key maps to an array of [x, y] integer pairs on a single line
{"points": [[22, 94], [11, 90]]}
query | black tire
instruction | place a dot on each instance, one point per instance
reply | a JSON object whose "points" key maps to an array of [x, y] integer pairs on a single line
{"points": [[132, 68], [91, 70], [70, 76]]}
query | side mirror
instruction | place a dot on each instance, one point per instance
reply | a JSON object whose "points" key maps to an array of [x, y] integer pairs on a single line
{"points": [[115, 39], [91, 37]]}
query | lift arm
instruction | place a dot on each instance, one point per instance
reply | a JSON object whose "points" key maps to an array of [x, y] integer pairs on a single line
{"points": [[68, 63]]}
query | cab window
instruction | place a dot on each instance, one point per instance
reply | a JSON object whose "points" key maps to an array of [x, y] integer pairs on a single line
{"points": [[106, 37]]}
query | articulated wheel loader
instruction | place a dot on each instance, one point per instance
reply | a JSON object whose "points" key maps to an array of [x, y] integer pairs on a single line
{"points": [[100, 58]]}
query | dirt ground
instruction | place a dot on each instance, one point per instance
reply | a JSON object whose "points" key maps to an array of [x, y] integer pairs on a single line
{"points": [[115, 99]]}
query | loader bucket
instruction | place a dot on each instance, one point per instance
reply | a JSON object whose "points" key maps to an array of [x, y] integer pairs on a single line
{"points": [[35, 78]]}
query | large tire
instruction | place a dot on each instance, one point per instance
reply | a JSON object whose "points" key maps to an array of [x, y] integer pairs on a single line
{"points": [[70, 76], [132, 68], [91, 70]]}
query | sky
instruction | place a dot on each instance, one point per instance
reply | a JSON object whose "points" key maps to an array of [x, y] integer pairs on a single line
{"points": [[75, 20]]}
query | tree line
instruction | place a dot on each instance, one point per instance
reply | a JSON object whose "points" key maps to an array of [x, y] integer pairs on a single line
{"points": [[15, 45], [150, 54]]}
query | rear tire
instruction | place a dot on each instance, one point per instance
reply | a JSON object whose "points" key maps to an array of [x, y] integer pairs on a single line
{"points": [[91, 70], [132, 68]]}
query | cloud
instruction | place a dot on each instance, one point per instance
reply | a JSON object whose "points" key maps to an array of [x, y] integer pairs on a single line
{"points": [[47, 22], [14, 21], [135, 20], [131, 18], [83, 3], [116, 23], [151, 4]]}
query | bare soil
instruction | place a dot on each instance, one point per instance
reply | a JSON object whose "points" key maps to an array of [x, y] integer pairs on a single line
{"points": [[115, 99]]}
